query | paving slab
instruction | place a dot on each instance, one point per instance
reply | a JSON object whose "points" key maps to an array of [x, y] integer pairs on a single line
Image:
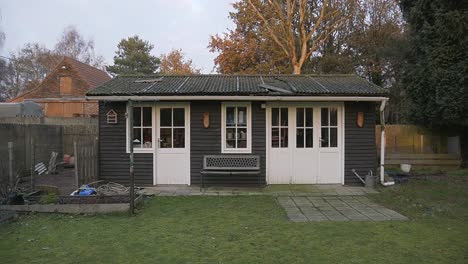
{"points": [[340, 209]]}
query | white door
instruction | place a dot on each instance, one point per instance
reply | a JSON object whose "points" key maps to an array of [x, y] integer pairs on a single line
{"points": [[173, 144], [304, 144], [330, 163], [278, 146]]}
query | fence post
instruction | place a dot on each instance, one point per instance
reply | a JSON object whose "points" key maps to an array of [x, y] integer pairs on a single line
{"points": [[10, 164], [75, 154], [96, 158], [32, 149]]}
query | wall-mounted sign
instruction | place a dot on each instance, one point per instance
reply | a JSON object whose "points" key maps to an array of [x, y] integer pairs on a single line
{"points": [[360, 119], [206, 120], [111, 117]]}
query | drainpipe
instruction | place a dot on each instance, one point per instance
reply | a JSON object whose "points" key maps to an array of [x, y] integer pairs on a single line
{"points": [[382, 145]]}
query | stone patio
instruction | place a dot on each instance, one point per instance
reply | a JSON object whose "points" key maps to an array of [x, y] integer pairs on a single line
{"points": [[338, 208]]}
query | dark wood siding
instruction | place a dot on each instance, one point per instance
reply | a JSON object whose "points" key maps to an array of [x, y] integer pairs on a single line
{"points": [[360, 147], [207, 141], [113, 159]]}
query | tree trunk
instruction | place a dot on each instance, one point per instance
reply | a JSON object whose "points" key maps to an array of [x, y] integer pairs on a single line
{"points": [[297, 69]]}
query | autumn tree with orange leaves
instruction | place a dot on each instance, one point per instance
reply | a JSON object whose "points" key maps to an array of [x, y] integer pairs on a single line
{"points": [[175, 62]]}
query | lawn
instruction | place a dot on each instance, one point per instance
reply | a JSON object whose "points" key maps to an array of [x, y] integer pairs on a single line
{"points": [[250, 229]]}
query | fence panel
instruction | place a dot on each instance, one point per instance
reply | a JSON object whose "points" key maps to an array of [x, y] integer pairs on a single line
{"points": [[86, 160]]}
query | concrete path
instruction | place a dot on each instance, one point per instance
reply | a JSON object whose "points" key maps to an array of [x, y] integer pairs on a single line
{"points": [[274, 190], [339, 208]]}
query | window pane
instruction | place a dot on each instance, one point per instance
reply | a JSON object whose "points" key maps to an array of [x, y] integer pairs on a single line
{"points": [[324, 138], [230, 116], [309, 117], [165, 116], [230, 144], [284, 116], [333, 116], [147, 116], [299, 138], [242, 144], [275, 116], [136, 138], [179, 137], [284, 137], [230, 133], [300, 117], [324, 116], [242, 116], [275, 137], [179, 117], [333, 137], [136, 116], [147, 138], [241, 134], [309, 138], [166, 138]]}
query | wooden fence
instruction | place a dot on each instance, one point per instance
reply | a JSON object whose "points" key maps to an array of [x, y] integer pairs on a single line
{"points": [[86, 161], [414, 139], [419, 147]]}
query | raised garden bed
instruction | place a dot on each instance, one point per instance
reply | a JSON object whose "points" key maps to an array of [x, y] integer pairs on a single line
{"points": [[79, 205]]}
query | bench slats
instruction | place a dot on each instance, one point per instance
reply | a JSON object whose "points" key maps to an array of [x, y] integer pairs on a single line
{"points": [[231, 162]]}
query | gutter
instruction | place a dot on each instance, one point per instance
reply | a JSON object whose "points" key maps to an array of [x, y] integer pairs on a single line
{"points": [[382, 145], [238, 98]]}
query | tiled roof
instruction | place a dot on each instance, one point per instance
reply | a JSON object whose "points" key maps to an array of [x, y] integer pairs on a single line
{"points": [[93, 76], [284, 85]]}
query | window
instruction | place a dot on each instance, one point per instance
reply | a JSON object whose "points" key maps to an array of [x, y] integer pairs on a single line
{"points": [[329, 132], [304, 127], [142, 128], [65, 85], [172, 127], [279, 127], [236, 128]]}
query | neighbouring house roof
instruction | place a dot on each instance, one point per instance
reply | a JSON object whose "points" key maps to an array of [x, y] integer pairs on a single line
{"points": [[233, 85], [93, 76], [87, 73]]}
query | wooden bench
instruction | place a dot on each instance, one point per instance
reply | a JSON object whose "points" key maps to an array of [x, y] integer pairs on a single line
{"points": [[230, 165]]}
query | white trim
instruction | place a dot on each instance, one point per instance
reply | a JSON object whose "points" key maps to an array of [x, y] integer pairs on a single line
{"points": [[240, 98], [248, 106], [153, 131], [343, 131]]}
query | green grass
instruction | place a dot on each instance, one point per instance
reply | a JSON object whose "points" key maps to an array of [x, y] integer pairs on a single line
{"points": [[251, 229]]}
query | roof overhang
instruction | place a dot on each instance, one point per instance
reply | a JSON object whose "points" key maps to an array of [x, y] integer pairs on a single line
{"points": [[238, 98]]}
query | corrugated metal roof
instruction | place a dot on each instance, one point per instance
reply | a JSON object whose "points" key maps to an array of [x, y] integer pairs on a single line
{"points": [[284, 85]]}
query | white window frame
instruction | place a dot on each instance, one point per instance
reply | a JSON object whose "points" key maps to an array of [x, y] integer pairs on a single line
{"points": [[248, 106], [329, 127], [130, 126], [280, 127], [304, 127]]}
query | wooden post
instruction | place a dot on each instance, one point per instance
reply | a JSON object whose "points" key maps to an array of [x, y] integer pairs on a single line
{"points": [[130, 144], [10, 164], [75, 154], [32, 149], [96, 158]]}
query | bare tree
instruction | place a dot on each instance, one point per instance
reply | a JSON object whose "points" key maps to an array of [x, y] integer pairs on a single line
{"points": [[74, 45], [301, 27]]}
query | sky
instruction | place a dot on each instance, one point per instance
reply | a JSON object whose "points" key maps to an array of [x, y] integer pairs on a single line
{"points": [[167, 24]]}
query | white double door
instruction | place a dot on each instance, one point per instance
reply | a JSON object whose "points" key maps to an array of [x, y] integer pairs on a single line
{"points": [[304, 143], [172, 149]]}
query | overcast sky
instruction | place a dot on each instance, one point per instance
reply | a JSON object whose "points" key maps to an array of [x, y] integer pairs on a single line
{"points": [[168, 24]]}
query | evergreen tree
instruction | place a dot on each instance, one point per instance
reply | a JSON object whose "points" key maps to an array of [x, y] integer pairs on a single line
{"points": [[133, 57], [435, 74]]}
